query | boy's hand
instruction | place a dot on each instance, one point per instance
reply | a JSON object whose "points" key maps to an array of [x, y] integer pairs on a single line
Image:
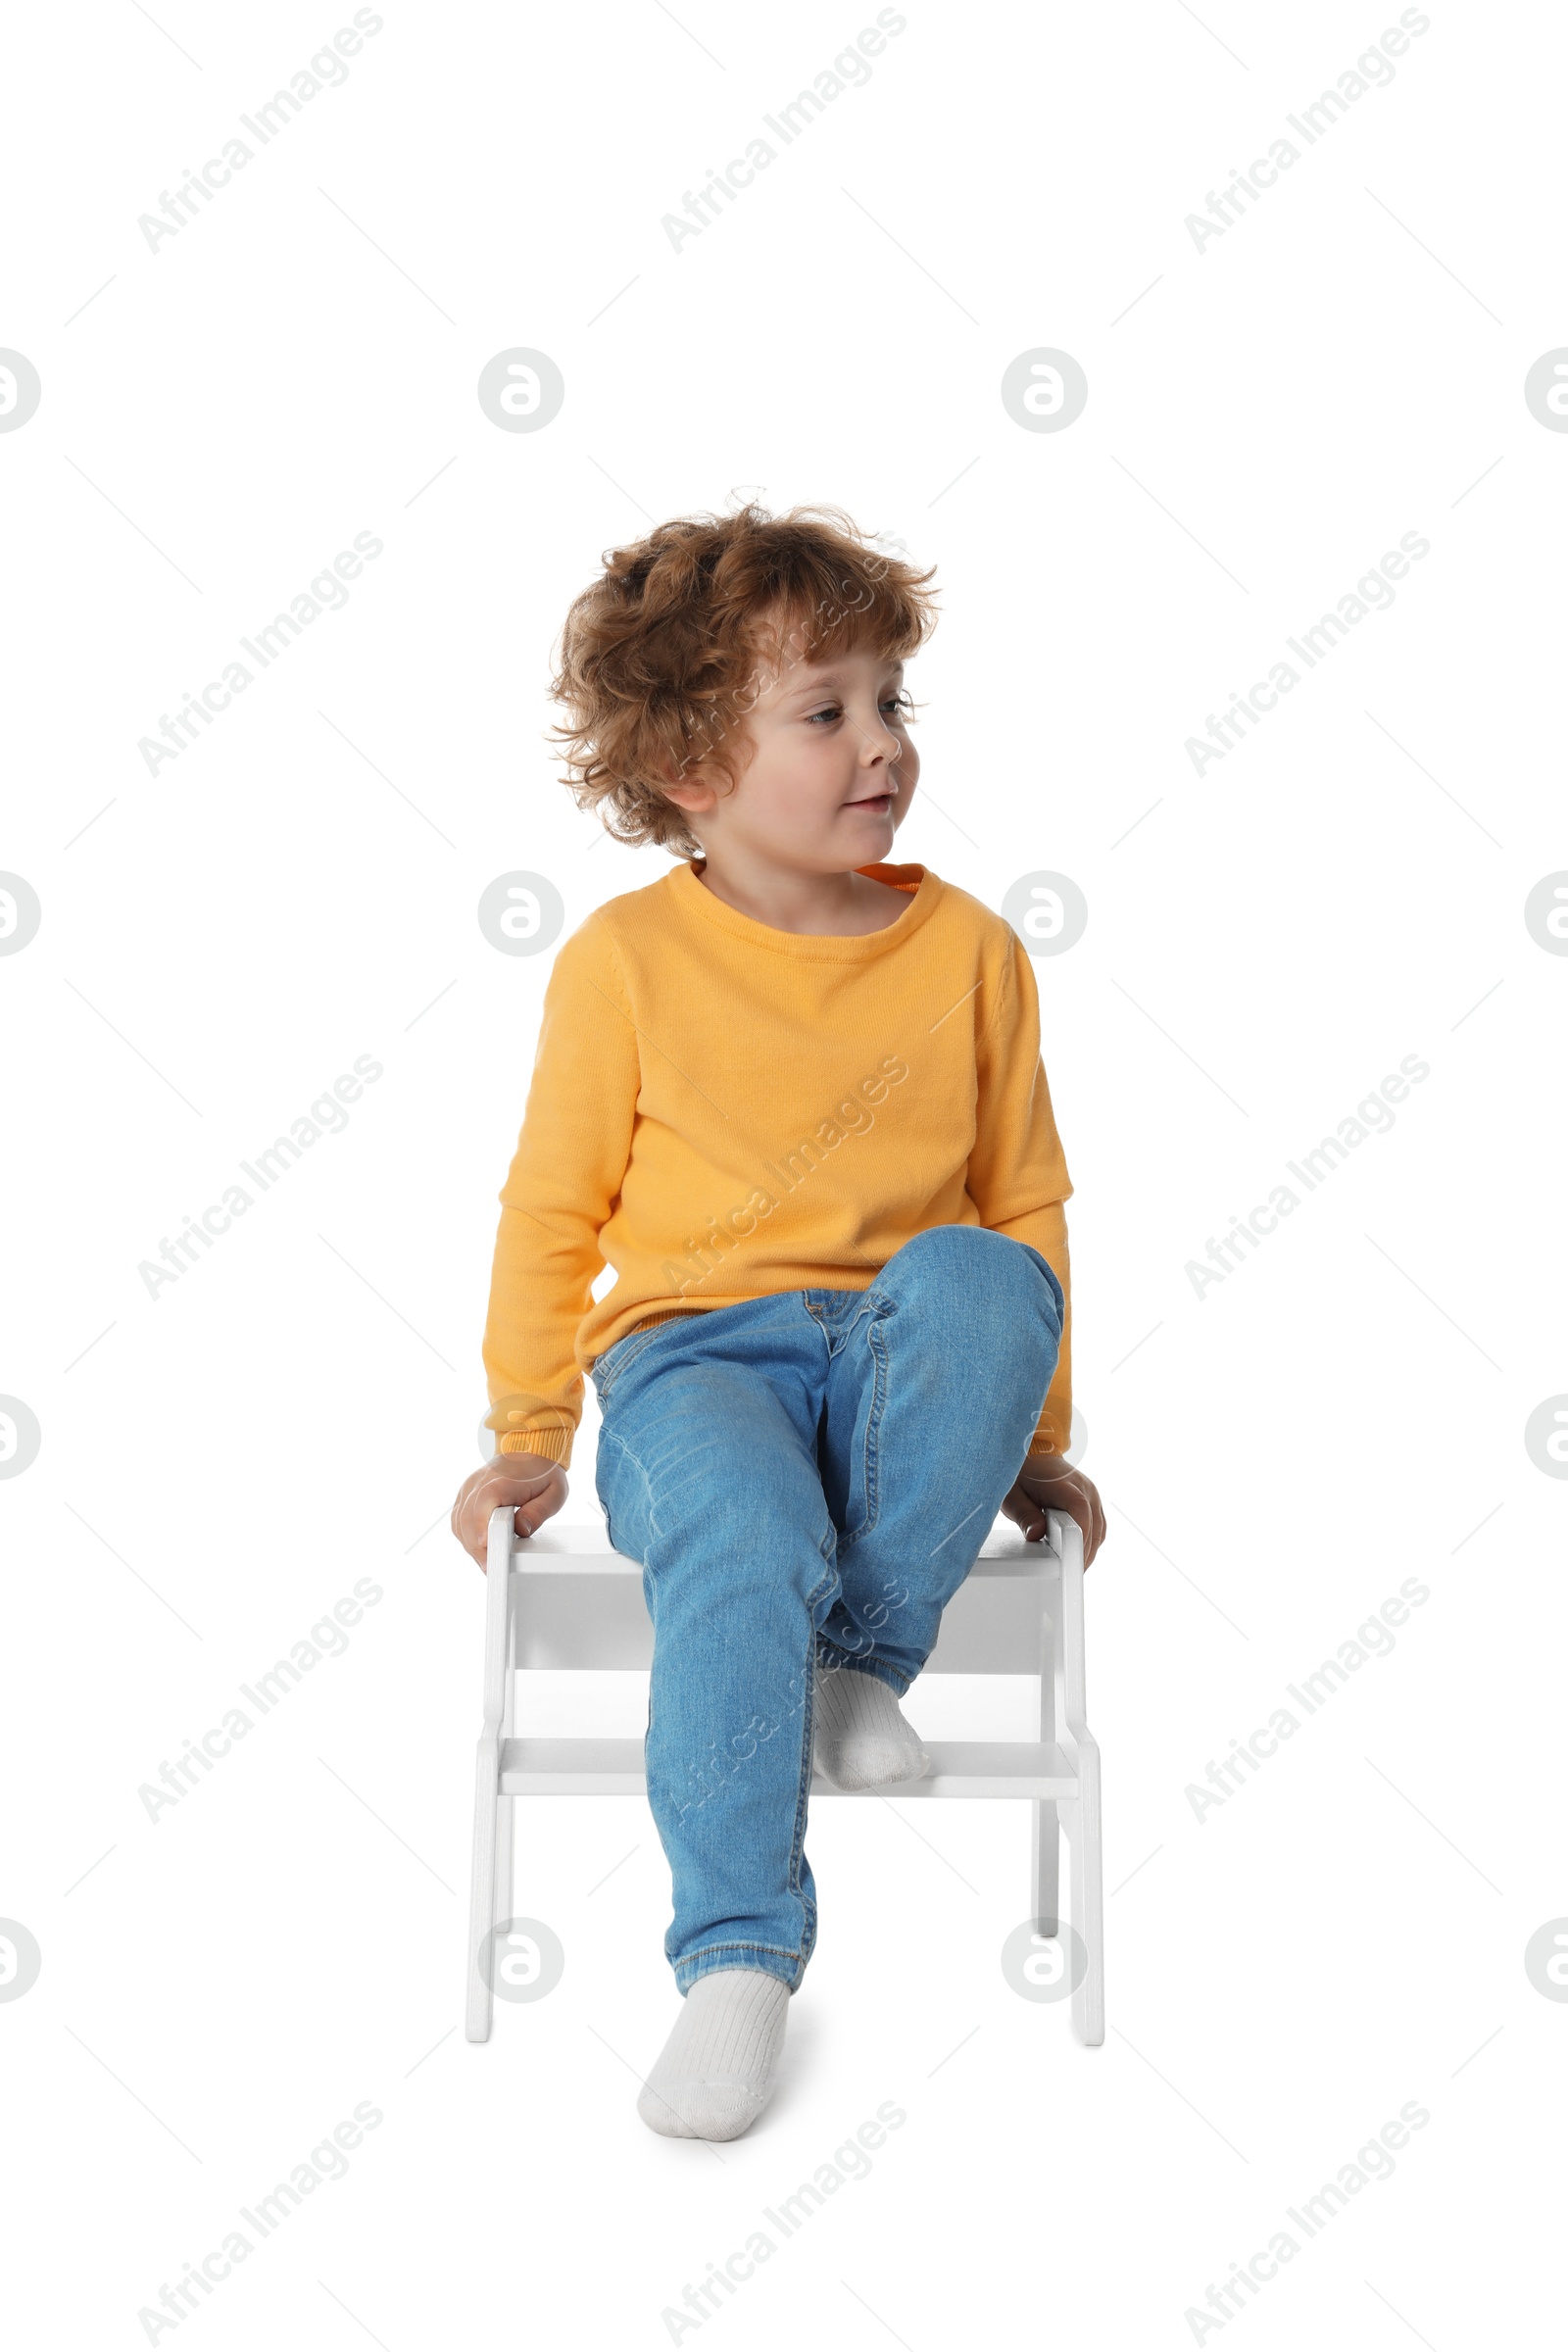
{"points": [[536, 1486], [1049, 1480]]}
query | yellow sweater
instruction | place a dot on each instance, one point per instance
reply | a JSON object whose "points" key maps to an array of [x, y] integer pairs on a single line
{"points": [[719, 1111]]}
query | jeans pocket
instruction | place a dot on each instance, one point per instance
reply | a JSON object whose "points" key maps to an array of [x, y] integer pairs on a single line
{"points": [[608, 1367]]}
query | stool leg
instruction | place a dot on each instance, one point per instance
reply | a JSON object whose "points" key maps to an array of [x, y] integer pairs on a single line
{"points": [[503, 1846], [482, 1904], [1082, 1819], [490, 1813], [1045, 1878], [504, 1804], [1045, 1844], [1080, 1814]]}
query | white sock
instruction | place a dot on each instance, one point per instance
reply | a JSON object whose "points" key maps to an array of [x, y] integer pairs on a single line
{"points": [[861, 1739], [714, 2075]]}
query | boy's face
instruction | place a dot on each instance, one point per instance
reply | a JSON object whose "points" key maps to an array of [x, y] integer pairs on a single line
{"points": [[831, 770]]}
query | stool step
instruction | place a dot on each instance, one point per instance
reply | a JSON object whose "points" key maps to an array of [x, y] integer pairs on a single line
{"points": [[959, 1768]]}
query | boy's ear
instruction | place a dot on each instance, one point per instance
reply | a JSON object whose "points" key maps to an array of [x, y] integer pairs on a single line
{"points": [[688, 787]]}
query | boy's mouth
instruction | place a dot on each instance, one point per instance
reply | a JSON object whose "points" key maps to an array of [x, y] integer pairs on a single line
{"points": [[876, 800]]}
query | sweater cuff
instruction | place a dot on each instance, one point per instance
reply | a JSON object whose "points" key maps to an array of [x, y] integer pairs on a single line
{"points": [[1045, 1441], [555, 1445]]}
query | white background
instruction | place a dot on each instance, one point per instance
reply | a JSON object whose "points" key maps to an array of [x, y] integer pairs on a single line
{"points": [[219, 1465]]}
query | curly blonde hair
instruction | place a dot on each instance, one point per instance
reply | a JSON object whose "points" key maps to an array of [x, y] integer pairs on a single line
{"points": [[657, 659]]}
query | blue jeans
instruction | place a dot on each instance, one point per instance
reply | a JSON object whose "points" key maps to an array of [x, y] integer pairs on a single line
{"points": [[804, 1476]]}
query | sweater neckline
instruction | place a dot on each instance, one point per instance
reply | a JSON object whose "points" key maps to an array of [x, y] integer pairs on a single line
{"points": [[918, 882]]}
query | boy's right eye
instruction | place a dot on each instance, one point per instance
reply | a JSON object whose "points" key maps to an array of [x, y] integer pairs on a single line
{"points": [[830, 711]]}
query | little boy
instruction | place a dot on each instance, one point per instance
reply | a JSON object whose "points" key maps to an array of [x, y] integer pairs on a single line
{"points": [[792, 1096]]}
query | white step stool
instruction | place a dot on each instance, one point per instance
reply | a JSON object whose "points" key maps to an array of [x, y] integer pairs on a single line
{"points": [[563, 1598]]}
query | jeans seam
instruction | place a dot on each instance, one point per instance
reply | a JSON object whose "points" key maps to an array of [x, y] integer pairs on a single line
{"points": [[740, 1945], [607, 1437], [870, 1454], [610, 1437], [842, 1664], [880, 1669], [877, 1343], [802, 1793]]}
